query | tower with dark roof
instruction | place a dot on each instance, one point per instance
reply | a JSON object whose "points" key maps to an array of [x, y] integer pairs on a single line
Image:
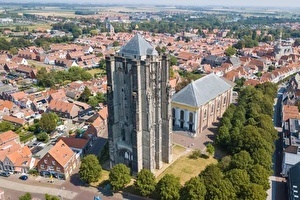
{"points": [[139, 109]]}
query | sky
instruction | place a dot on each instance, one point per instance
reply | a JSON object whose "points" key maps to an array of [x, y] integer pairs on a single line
{"points": [[269, 3]]}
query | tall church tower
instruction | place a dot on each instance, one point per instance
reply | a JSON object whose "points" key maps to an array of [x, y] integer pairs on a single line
{"points": [[139, 108]]}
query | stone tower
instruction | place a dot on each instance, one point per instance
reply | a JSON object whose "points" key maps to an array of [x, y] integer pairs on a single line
{"points": [[139, 108]]}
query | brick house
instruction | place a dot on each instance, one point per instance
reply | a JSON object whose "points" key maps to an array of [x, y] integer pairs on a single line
{"points": [[64, 109], [59, 161]]}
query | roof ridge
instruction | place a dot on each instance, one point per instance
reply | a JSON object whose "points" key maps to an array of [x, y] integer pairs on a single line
{"points": [[194, 89]]}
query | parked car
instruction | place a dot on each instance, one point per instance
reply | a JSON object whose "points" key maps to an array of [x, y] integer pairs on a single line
{"points": [[5, 174], [23, 177]]}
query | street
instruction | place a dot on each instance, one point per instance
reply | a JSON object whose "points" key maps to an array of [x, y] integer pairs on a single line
{"points": [[278, 185]]}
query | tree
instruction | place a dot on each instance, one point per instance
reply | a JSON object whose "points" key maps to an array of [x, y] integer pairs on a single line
{"points": [[26, 196], [85, 94], [210, 149], [116, 43], [145, 182], [90, 169], [168, 187], [6, 126], [48, 122], [230, 51], [50, 197], [263, 158], [241, 160], [102, 64], [211, 175], [43, 136], [259, 175], [119, 176], [239, 179], [194, 189], [253, 191], [224, 190], [173, 60]]}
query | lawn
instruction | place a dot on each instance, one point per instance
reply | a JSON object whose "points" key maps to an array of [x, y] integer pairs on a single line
{"points": [[102, 180], [95, 71], [186, 168]]}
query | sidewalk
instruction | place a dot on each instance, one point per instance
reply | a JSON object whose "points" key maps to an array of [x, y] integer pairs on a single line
{"points": [[23, 187]]}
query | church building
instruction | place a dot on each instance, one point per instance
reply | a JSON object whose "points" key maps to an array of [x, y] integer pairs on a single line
{"points": [[199, 104]]}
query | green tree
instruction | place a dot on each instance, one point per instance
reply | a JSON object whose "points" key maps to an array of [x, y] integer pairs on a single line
{"points": [[102, 64], [223, 190], [230, 51], [224, 164], [173, 60], [50, 197], [210, 149], [145, 182], [48, 122], [169, 187], [263, 158], [241, 160], [194, 189], [259, 175], [212, 174], [253, 191], [116, 43], [26, 196], [43, 136], [90, 169], [239, 179], [6, 126], [85, 94], [13, 51], [119, 176]]}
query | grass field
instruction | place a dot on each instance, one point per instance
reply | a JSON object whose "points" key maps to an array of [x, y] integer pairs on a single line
{"points": [[186, 168], [102, 180], [95, 71]]}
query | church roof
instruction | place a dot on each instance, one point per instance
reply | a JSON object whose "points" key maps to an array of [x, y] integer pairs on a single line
{"points": [[137, 46], [201, 91]]}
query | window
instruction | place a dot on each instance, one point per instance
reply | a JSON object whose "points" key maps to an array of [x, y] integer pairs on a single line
{"points": [[212, 109], [219, 102], [181, 118], [42, 166], [53, 162], [45, 161], [58, 169], [173, 115], [191, 121], [205, 114], [224, 101], [50, 168]]}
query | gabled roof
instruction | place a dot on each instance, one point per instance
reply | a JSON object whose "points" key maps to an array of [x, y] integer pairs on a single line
{"points": [[137, 46], [8, 136], [72, 142], [201, 91], [61, 153]]}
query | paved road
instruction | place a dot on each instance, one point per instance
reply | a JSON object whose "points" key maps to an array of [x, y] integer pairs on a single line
{"points": [[278, 190]]}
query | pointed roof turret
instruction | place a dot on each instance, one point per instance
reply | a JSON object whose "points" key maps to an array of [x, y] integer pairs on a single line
{"points": [[137, 46]]}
